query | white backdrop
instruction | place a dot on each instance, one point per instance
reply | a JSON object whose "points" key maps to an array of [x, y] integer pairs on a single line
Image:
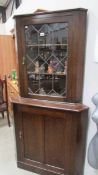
{"points": [[2, 29]]}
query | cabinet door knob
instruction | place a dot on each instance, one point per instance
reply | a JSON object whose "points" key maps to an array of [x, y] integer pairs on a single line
{"points": [[23, 60]]}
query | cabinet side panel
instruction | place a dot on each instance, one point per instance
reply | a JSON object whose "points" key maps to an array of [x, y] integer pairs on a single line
{"points": [[75, 142]]}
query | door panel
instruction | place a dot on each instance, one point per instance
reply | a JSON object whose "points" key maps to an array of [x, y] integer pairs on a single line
{"points": [[32, 126], [54, 141]]}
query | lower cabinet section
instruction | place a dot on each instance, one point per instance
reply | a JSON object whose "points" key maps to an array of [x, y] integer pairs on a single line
{"points": [[50, 141]]}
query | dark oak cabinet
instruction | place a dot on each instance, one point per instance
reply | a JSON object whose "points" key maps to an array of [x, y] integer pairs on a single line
{"points": [[50, 138], [50, 120], [51, 49]]}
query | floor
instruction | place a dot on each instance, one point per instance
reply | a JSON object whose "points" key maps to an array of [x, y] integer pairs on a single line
{"points": [[8, 164]]}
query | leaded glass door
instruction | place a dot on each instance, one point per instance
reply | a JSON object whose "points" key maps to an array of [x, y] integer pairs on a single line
{"points": [[46, 59]]}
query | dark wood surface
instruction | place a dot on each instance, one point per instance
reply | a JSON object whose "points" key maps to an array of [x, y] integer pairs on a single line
{"points": [[50, 140], [76, 20], [77, 107], [41, 12]]}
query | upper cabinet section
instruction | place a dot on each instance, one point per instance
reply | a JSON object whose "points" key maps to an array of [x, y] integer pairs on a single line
{"points": [[51, 54]]}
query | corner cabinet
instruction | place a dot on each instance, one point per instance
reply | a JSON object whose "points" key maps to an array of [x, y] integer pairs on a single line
{"points": [[51, 53], [50, 120]]}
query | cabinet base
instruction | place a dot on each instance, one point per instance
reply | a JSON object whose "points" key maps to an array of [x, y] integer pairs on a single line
{"points": [[41, 169]]}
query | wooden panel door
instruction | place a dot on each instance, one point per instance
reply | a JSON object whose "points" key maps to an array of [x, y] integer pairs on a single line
{"points": [[49, 141], [54, 141], [29, 136], [32, 128], [40, 140]]}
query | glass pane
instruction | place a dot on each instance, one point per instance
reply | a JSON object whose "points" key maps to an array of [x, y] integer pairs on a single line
{"points": [[46, 58]]}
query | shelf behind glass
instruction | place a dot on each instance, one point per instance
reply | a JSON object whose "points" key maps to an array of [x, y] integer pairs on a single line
{"points": [[38, 45], [59, 74]]}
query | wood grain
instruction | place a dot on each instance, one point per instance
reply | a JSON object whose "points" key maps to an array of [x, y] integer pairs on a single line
{"points": [[52, 141], [7, 55]]}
